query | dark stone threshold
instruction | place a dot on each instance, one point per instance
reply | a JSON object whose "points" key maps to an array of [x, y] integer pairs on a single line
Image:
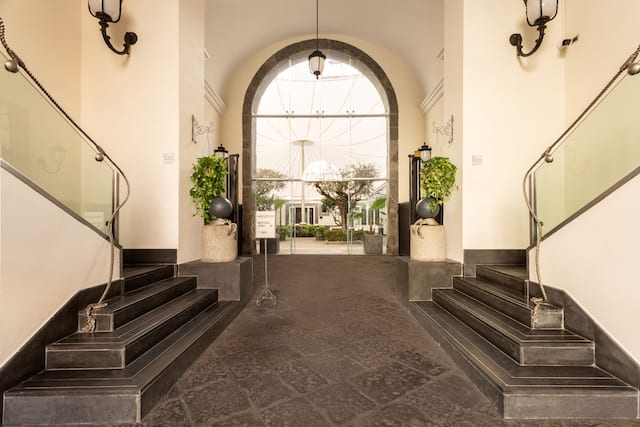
{"points": [[473, 257]]}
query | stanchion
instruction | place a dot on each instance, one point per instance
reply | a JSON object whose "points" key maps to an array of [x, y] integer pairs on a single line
{"points": [[266, 295]]}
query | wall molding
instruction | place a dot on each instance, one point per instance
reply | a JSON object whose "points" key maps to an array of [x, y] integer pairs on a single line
{"points": [[432, 97], [214, 99]]}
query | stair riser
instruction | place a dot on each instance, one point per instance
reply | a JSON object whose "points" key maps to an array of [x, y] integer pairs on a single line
{"points": [[572, 405], [520, 313], [117, 358], [84, 359], [107, 322], [138, 347], [139, 281], [509, 282], [526, 355], [83, 409]]}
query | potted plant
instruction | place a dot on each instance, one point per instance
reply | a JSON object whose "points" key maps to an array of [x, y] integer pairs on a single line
{"points": [[373, 242], [428, 239], [218, 234]]}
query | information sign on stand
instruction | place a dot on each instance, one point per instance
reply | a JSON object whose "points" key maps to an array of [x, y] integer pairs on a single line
{"points": [[266, 229]]}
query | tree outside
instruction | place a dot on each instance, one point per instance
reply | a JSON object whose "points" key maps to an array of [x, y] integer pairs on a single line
{"points": [[265, 198], [344, 195]]}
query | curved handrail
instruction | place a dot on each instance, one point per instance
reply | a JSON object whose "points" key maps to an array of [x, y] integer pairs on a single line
{"points": [[633, 68]]}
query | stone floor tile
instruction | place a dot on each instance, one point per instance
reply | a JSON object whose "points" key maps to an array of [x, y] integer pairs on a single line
{"points": [[337, 335], [206, 369], [389, 382], [397, 415], [246, 419], [308, 344], [215, 400], [293, 413], [265, 389], [459, 389], [276, 356], [342, 402], [364, 353], [423, 363], [300, 376], [245, 364], [334, 365], [168, 413]]}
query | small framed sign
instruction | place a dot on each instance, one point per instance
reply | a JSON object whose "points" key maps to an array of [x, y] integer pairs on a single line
{"points": [[265, 224]]}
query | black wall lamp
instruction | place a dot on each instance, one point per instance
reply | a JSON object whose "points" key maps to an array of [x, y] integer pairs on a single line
{"points": [[107, 11], [538, 12]]}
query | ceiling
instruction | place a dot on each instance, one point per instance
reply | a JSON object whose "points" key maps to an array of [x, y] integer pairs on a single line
{"points": [[237, 29]]}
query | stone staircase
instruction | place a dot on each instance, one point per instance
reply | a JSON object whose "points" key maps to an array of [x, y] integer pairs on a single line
{"points": [[144, 340], [519, 355]]}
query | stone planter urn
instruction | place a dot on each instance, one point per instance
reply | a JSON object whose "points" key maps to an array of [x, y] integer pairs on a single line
{"points": [[428, 243], [372, 244], [219, 241]]}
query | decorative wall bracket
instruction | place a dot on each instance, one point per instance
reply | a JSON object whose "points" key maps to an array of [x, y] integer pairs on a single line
{"points": [[197, 129], [446, 129]]}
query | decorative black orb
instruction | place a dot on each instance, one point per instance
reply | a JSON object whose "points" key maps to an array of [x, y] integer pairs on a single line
{"points": [[221, 207], [423, 208]]}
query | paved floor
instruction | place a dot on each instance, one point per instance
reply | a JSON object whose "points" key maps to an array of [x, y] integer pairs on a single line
{"points": [[337, 350]]}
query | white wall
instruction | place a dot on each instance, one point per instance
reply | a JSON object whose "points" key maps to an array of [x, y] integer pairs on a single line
{"points": [[130, 105], [512, 110], [593, 258], [407, 88], [191, 89], [46, 257]]}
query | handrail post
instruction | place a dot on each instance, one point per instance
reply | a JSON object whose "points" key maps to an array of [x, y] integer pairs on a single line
{"points": [[533, 229]]}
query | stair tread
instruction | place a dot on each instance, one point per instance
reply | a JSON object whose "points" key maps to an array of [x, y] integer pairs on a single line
{"points": [[130, 271], [136, 375], [510, 295], [507, 374], [131, 298], [515, 270], [511, 327], [132, 330]]}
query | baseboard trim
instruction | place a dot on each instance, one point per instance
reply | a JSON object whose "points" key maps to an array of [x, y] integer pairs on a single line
{"points": [[150, 256]]}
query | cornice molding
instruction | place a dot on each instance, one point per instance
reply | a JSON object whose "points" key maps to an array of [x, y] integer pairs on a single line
{"points": [[430, 100], [214, 99]]}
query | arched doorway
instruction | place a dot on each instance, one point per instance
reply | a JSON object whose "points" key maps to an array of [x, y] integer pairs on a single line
{"points": [[341, 52]]}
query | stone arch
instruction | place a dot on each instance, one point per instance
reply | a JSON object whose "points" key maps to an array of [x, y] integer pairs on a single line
{"points": [[263, 77]]}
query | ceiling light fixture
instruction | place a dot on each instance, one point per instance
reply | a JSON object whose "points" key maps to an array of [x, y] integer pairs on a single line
{"points": [[317, 58], [107, 11], [538, 13]]}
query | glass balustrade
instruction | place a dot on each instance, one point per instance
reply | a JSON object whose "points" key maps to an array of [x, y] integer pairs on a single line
{"points": [[593, 157], [40, 144]]}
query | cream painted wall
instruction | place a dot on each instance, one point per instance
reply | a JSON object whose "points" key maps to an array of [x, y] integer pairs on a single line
{"points": [[513, 109], [592, 261], [453, 105], [131, 105], [191, 89], [46, 257], [411, 121]]}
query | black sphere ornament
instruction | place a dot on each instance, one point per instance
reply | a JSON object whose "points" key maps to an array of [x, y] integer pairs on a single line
{"points": [[423, 208], [221, 207]]}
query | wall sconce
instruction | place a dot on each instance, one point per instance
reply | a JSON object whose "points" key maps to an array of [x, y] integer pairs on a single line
{"points": [[107, 11], [538, 13]]}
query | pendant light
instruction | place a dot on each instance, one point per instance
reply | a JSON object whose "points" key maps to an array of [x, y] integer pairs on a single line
{"points": [[317, 58]]}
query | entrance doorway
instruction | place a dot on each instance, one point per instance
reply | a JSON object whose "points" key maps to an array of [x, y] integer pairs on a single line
{"points": [[321, 158], [316, 159]]}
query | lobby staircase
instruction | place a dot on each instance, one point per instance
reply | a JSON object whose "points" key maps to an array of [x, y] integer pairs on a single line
{"points": [[144, 340], [521, 357]]}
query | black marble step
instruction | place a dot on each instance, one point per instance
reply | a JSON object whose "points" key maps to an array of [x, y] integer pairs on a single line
{"points": [[123, 309], [546, 347], [527, 392], [138, 276], [511, 303], [510, 277], [105, 350], [112, 396]]}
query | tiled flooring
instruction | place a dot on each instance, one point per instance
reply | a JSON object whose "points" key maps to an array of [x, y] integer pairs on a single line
{"points": [[337, 350]]}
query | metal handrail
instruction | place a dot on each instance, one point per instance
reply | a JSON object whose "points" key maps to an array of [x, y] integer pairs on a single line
{"points": [[632, 68]]}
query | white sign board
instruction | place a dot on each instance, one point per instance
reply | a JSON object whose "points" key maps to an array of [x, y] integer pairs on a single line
{"points": [[265, 224]]}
